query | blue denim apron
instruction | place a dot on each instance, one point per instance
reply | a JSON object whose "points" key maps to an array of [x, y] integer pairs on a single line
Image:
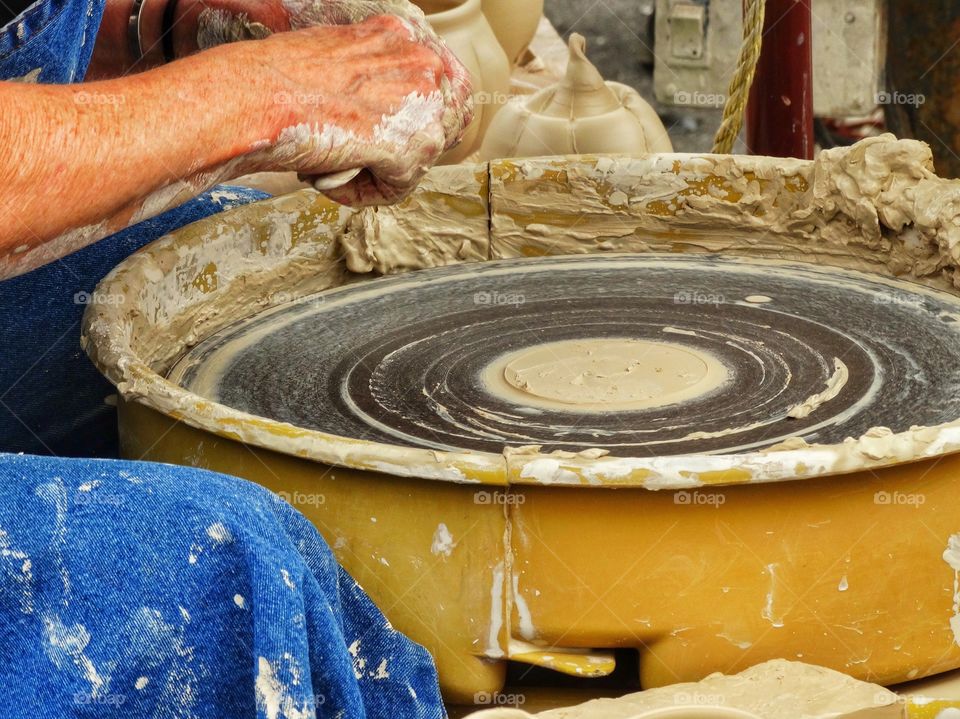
{"points": [[130, 589]]}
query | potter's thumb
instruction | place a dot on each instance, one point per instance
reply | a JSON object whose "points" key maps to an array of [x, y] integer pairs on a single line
{"points": [[458, 112]]}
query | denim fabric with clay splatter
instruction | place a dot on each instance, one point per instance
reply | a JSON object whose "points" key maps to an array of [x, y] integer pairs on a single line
{"points": [[144, 590]]}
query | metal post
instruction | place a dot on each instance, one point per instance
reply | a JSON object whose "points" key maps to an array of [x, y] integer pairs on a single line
{"points": [[780, 109]]}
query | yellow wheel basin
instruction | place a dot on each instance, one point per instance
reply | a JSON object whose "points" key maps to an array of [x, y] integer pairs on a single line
{"points": [[844, 555]]}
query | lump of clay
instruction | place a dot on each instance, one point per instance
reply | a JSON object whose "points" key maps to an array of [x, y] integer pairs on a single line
{"points": [[580, 115]]}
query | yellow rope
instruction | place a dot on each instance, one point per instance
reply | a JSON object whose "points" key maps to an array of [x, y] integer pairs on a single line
{"points": [[742, 79]]}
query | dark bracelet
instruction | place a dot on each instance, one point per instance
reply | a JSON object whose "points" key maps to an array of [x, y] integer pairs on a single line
{"points": [[133, 31], [135, 34], [169, 17]]}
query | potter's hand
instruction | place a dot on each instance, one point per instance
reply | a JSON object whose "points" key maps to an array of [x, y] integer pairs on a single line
{"points": [[370, 96], [206, 23], [329, 86], [202, 24]]}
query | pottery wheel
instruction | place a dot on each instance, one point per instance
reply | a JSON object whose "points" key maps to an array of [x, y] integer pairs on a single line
{"points": [[641, 355]]}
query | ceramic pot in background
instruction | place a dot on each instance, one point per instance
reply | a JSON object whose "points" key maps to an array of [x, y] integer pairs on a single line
{"points": [[581, 114], [463, 26], [514, 22]]}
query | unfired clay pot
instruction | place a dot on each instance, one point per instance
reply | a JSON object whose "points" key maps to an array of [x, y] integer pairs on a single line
{"points": [[514, 22], [462, 25], [580, 115]]}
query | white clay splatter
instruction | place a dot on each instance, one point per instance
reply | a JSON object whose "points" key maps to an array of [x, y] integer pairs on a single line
{"points": [[951, 556], [415, 113], [527, 630], [219, 533], [274, 698], [359, 662], [66, 647], [740, 644], [21, 571], [768, 609], [177, 689], [496, 613], [548, 471], [443, 543], [679, 331], [55, 493]]}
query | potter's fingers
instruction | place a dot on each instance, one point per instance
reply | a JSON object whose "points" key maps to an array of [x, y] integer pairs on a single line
{"points": [[304, 13], [442, 70], [365, 191], [407, 28], [457, 88], [457, 114], [404, 167], [433, 67], [461, 83], [346, 12], [393, 176], [335, 179]]}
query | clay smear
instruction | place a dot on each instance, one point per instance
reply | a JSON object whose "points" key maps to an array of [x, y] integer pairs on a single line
{"points": [[836, 383]]}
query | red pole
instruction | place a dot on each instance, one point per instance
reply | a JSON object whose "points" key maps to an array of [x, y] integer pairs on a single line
{"points": [[780, 108]]}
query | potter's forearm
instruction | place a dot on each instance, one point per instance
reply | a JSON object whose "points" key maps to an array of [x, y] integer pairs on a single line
{"points": [[79, 161]]}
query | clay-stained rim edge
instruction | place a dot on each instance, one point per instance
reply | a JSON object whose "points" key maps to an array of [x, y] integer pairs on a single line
{"points": [[103, 339]]}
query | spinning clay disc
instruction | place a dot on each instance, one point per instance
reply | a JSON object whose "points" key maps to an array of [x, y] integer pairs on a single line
{"points": [[640, 355]]}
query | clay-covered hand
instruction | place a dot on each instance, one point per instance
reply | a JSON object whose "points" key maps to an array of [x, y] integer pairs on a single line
{"points": [[371, 96], [220, 21], [214, 22], [375, 91], [456, 85]]}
